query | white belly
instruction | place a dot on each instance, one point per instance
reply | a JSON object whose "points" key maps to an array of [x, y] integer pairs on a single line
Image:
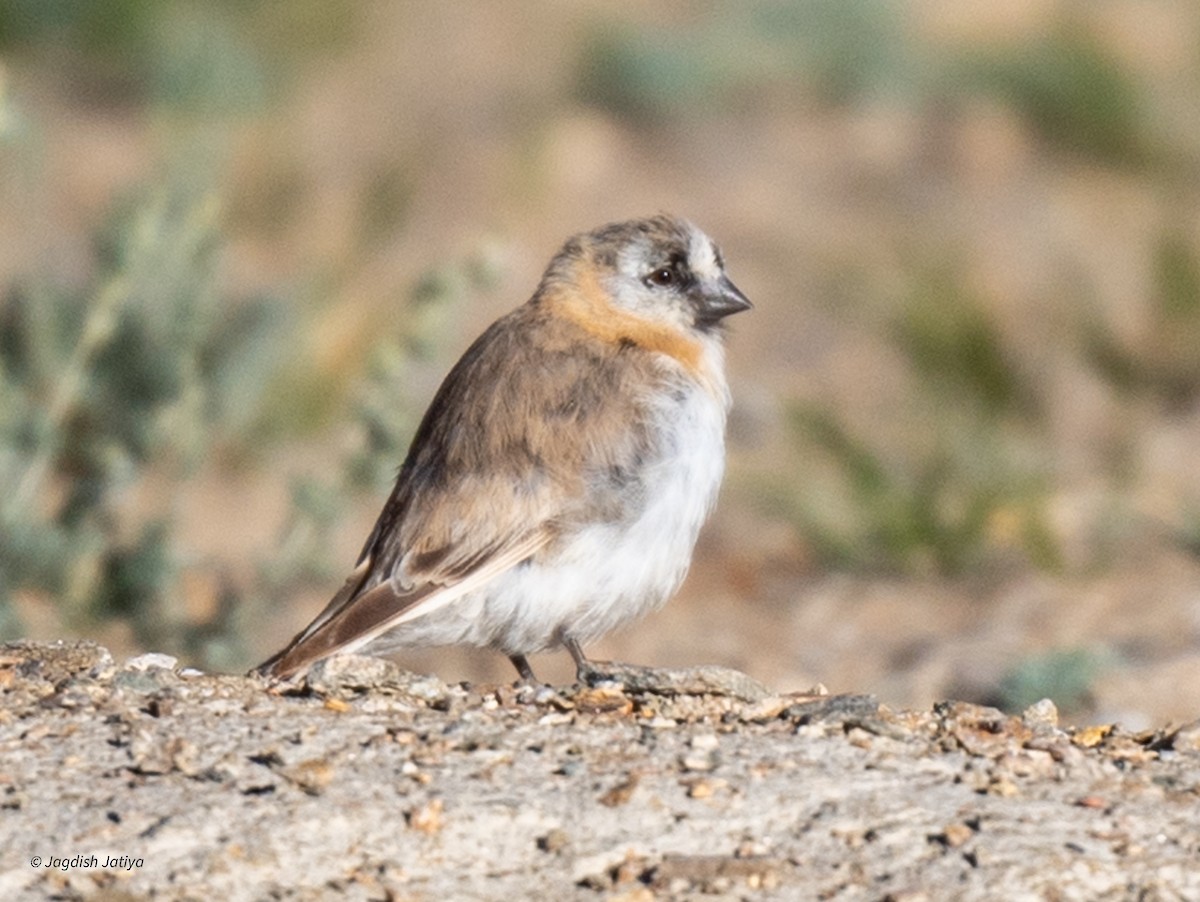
{"points": [[606, 574]]}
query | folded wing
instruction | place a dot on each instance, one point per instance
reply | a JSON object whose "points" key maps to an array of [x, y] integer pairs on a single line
{"points": [[518, 443]]}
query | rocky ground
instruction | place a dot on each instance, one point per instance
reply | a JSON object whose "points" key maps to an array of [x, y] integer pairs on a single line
{"points": [[367, 782]]}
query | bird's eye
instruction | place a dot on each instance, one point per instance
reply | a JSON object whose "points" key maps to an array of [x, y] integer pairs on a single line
{"points": [[662, 277]]}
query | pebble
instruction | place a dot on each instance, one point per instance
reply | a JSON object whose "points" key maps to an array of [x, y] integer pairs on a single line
{"points": [[152, 661]]}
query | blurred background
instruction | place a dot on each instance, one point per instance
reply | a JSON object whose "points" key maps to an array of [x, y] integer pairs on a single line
{"points": [[241, 243]]}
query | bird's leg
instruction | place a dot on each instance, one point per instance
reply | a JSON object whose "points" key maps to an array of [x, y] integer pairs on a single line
{"points": [[589, 673], [526, 672], [585, 670]]}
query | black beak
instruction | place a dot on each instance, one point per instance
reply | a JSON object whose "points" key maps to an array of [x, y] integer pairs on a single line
{"points": [[713, 305]]}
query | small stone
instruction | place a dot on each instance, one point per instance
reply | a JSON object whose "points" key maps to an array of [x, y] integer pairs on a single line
{"points": [[1187, 738], [604, 698], [1002, 787], [185, 757], [554, 841], [150, 754], [659, 722], [705, 788], [1090, 737], [862, 710], [708, 679], [768, 709], [955, 835], [145, 680], [546, 695], [621, 793], [1042, 713], [350, 671], [704, 760], [427, 818], [152, 661], [428, 689], [596, 871], [312, 775], [860, 738], [53, 662]]}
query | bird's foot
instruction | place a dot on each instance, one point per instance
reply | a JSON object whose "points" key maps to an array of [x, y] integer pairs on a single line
{"points": [[707, 679]]}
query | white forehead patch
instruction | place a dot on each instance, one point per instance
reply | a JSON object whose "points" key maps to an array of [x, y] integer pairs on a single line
{"points": [[702, 256]]}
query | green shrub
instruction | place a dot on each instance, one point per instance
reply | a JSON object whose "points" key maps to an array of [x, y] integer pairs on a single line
{"points": [[1071, 91], [836, 51], [965, 488], [145, 370], [1064, 676], [1161, 363], [948, 510]]}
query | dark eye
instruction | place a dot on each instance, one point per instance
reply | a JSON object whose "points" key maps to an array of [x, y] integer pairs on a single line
{"points": [[662, 277]]}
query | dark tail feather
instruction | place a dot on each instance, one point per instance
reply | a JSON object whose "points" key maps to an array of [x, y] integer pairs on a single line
{"points": [[366, 615], [287, 662]]}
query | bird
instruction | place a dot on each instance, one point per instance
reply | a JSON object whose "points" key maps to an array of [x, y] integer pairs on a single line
{"points": [[555, 487]]}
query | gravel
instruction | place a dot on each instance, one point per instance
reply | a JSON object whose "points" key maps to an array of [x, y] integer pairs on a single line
{"points": [[142, 780]]}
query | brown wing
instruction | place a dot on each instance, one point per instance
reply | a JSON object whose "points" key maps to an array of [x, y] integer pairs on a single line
{"points": [[520, 440], [356, 616]]}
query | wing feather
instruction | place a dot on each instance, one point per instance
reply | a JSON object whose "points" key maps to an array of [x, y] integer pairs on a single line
{"points": [[353, 619]]}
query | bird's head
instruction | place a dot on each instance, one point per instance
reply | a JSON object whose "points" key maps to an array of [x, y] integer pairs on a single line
{"points": [[661, 269]]}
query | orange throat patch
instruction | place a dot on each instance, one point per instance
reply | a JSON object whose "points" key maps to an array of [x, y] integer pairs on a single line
{"points": [[589, 307]]}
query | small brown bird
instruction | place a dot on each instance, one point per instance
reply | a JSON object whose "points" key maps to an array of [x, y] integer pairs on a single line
{"points": [[556, 485]]}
